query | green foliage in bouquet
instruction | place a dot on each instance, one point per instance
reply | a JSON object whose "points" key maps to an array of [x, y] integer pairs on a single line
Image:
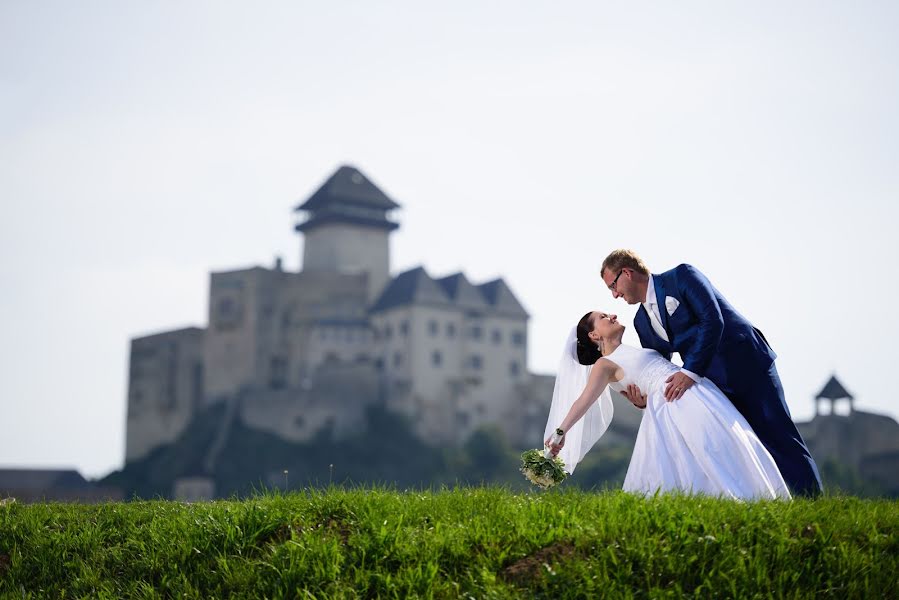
{"points": [[541, 471]]}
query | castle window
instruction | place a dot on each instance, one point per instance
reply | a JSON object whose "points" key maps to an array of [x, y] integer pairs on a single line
{"points": [[497, 336], [436, 358], [226, 307], [476, 362], [404, 328], [228, 313], [476, 332], [432, 327], [388, 331], [514, 369], [518, 338], [450, 330], [397, 359]]}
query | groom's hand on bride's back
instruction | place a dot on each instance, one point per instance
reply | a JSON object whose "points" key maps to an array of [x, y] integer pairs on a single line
{"points": [[635, 396]]}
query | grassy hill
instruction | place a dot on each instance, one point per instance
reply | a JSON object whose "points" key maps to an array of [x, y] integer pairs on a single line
{"points": [[465, 542]]}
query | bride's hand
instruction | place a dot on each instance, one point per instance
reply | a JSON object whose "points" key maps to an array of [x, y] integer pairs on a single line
{"points": [[635, 396], [554, 448]]}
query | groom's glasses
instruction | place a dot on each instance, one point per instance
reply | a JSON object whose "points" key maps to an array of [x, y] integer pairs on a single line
{"points": [[614, 285]]}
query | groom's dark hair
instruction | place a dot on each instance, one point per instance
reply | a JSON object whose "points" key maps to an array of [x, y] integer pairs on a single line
{"points": [[587, 351], [623, 259]]}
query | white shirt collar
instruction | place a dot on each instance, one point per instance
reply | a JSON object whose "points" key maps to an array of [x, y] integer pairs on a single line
{"points": [[650, 292]]}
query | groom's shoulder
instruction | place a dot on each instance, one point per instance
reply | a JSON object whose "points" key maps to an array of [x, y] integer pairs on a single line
{"points": [[681, 270], [685, 274]]}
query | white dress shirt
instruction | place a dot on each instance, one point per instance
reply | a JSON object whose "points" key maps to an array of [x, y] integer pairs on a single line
{"points": [[651, 305]]}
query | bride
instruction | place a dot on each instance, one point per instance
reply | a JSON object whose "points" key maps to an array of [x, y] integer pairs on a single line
{"points": [[697, 444]]}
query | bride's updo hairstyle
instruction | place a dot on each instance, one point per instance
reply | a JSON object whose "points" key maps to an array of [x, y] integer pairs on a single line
{"points": [[587, 351]]}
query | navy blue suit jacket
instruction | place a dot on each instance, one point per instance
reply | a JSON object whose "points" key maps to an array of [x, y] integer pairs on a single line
{"points": [[712, 338]]}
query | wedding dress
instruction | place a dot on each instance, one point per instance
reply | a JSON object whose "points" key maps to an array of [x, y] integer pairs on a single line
{"points": [[699, 443]]}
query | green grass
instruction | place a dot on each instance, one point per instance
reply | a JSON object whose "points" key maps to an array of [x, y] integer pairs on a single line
{"points": [[466, 542]]}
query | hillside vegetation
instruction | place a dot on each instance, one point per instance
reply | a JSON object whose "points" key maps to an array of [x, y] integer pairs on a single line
{"points": [[482, 542]]}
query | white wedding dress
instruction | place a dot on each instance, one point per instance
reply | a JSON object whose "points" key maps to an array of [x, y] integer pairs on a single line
{"points": [[697, 444]]}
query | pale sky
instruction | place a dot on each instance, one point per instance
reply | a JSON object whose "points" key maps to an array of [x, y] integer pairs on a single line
{"points": [[144, 144]]}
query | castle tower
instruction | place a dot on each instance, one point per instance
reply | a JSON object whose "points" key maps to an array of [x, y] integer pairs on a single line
{"points": [[833, 390], [347, 229]]}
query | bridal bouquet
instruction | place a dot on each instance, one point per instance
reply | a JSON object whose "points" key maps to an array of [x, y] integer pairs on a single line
{"points": [[542, 468]]}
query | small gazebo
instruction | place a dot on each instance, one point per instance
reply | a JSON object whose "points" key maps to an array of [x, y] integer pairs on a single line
{"points": [[834, 391]]}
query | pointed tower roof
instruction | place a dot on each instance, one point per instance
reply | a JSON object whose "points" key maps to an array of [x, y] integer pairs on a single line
{"points": [[414, 286], [833, 390], [462, 292], [348, 196], [501, 298]]}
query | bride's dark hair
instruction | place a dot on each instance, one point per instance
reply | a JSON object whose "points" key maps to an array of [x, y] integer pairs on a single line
{"points": [[587, 351]]}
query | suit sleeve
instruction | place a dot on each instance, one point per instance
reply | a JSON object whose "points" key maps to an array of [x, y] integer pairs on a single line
{"points": [[698, 293]]}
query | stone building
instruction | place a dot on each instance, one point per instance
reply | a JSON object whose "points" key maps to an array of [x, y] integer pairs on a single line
{"points": [[294, 352], [52, 485], [867, 442]]}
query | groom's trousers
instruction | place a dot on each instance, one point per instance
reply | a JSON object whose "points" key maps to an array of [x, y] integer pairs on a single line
{"points": [[760, 399]]}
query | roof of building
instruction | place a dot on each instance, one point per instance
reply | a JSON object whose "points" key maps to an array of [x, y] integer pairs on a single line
{"points": [[414, 286], [184, 332], [41, 479], [348, 186], [501, 298], [833, 390], [341, 322], [462, 292], [348, 198]]}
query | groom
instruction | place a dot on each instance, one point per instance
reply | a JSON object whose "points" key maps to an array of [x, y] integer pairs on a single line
{"points": [[681, 312]]}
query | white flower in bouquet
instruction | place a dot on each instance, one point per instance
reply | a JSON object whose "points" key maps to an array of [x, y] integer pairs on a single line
{"points": [[543, 469]]}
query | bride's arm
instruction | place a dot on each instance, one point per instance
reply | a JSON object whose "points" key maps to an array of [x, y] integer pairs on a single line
{"points": [[603, 373]]}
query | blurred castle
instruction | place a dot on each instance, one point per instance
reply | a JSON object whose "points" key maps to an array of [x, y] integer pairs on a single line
{"points": [[293, 353], [865, 442]]}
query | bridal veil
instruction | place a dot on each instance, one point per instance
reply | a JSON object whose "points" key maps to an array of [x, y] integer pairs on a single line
{"points": [[570, 383]]}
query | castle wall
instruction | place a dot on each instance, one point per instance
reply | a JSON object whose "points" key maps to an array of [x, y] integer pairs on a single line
{"points": [[230, 346], [322, 319], [850, 439], [452, 372], [497, 355], [349, 249], [273, 333], [165, 388], [269, 329], [334, 401]]}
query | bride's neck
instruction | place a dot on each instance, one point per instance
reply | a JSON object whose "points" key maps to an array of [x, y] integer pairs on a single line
{"points": [[609, 346]]}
